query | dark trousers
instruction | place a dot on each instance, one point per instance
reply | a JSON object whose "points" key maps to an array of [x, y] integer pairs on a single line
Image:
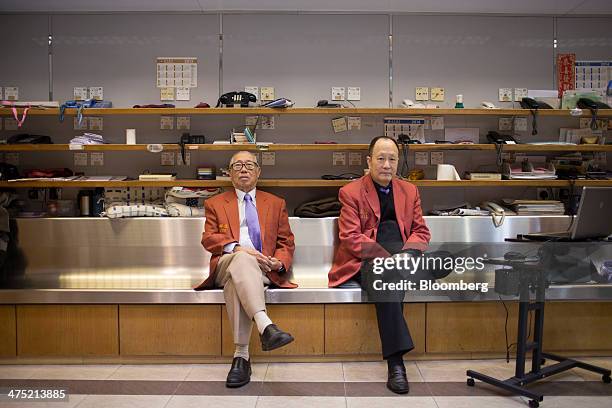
{"points": [[392, 328]]}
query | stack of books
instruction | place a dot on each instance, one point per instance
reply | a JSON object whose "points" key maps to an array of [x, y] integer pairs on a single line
{"points": [[534, 207]]}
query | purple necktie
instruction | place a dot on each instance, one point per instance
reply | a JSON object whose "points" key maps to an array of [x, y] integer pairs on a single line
{"points": [[252, 221]]}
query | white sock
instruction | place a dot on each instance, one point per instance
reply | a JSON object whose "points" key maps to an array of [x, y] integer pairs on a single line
{"points": [[262, 321], [242, 350]]}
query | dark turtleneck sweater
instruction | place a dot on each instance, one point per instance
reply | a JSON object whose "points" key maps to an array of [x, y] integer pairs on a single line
{"points": [[388, 231]]}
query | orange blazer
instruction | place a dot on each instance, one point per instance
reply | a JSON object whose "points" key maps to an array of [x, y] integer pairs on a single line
{"points": [[223, 226], [359, 219]]}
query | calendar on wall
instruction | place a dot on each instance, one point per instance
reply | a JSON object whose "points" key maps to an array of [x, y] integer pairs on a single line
{"points": [[177, 72], [411, 127], [593, 74]]}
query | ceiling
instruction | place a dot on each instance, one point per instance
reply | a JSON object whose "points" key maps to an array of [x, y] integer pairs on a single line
{"points": [[515, 7]]}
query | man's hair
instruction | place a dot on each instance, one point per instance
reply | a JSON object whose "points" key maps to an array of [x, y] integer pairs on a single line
{"points": [[253, 156], [376, 139]]}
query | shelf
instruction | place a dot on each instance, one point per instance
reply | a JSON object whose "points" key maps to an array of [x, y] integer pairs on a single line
{"points": [[303, 111], [296, 183], [301, 147]]}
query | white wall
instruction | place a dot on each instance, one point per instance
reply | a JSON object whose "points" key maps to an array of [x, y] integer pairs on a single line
{"points": [[302, 56]]}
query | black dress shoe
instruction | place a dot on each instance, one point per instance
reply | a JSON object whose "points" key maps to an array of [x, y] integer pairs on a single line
{"points": [[239, 374], [397, 381], [273, 338]]}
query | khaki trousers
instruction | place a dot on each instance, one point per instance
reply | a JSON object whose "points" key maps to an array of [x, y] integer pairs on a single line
{"points": [[243, 288]]}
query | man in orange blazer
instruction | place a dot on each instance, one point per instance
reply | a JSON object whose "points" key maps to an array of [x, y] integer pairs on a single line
{"points": [[379, 210], [248, 234]]}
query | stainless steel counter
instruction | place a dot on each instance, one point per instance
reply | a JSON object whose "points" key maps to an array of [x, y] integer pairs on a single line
{"points": [[158, 260]]}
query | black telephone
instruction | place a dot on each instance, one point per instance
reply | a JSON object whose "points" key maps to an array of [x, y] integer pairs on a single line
{"points": [[533, 105], [24, 138], [530, 103], [232, 98], [403, 138], [593, 106], [323, 103], [496, 138], [186, 139], [586, 103]]}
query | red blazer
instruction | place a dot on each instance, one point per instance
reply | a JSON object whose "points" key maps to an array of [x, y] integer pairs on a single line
{"points": [[223, 226], [359, 219]]}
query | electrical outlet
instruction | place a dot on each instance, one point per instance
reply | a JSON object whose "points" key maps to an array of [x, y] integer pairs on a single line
{"points": [[421, 93], [179, 159], [183, 122], [355, 159], [166, 158], [437, 158], [354, 122], [96, 123], [11, 93], [80, 93], [80, 126], [505, 124], [267, 93], [96, 159], [266, 122], [80, 159], [339, 159], [519, 94], [437, 94], [421, 158], [268, 158], [183, 94], [166, 94], [252, 90], [505, 94], [96, 92], [520, 124], [339, 125], [353, 93], [337, 93], [166, 122], [437, 122]]}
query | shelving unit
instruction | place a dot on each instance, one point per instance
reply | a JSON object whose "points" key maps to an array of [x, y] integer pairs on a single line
{"points": [[296, 183], [303, 111], [303, 147]]}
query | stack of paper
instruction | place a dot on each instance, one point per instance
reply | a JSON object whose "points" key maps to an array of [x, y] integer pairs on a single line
{"points": [[535, 207]]}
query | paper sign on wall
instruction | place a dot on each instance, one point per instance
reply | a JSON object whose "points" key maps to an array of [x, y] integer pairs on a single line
{"points": [[566, 75]]}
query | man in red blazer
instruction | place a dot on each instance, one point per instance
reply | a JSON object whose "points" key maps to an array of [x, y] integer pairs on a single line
{"points": [[247, 232], [377, 210]]}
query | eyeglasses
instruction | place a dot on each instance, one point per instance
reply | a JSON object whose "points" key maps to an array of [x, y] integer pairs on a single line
{"points": [[237, 166]]}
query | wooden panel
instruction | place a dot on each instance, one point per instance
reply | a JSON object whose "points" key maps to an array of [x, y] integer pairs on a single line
{"points": [[577, 326], [67, 330], [178, 330], [469, 327], [353, 329], [8, 334], [304, 322]]}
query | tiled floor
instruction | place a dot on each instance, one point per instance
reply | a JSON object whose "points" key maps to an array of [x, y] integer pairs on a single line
{"points": [[434, 384]]}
